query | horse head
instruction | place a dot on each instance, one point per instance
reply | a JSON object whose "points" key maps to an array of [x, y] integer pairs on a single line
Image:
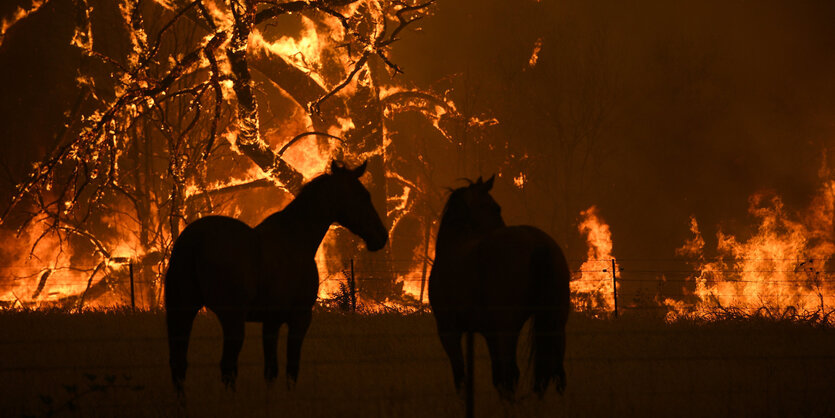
{"points": [[352, 205], [472, 210], [482, 211]]}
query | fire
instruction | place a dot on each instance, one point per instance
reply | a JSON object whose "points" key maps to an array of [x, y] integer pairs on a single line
{"points": [[332, 49], [592, 288], [309, 157], [19, 14], [303, 52], [40, 270], [781, 269], [329, 269]]}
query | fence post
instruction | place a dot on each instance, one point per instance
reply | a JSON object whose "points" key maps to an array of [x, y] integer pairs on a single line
{"points": [[470, 376], [426, 237], [353, 289], [132, 294], [615, 286]]}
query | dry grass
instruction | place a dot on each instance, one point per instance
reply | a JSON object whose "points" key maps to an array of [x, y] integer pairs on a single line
{"points": [[392, 364]]}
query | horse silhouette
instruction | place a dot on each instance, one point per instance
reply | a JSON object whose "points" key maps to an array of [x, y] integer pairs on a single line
{"points": [[489, 278], [263, 274]]}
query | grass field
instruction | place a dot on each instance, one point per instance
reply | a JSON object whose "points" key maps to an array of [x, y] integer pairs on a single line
{"points": [[387, 365]]}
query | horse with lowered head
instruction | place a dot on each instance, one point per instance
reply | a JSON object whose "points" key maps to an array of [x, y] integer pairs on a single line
{"points": [[490, 278], [263, 274]]}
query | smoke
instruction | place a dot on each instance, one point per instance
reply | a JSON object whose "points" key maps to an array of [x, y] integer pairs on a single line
{"points": [[653, 111]]}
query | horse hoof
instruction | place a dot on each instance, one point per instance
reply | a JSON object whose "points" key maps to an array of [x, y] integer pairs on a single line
{"points": [[181, 396], [270, 374], [229, 383], [180, 389], [507, 395], [291, 383]]}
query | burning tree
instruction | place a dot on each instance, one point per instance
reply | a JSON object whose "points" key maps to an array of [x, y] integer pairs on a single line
{"points": [[191, 107]]}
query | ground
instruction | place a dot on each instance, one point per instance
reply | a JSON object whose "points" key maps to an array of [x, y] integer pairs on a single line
{"points": [[387, 365]]}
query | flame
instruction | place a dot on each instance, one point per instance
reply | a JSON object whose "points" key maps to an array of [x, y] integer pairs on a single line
{"points": [[327, 257], [306, 50], [19, 14], [310, 157], [781, 269], [302, 52], [40, 269], [592, 288]]}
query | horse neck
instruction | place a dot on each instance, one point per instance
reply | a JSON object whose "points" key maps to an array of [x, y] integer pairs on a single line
{"points": [[452, 238], [303, 223]]}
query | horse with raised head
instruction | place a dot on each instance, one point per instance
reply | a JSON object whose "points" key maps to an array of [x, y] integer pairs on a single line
{"points": [[490, 278], [263, 274]]}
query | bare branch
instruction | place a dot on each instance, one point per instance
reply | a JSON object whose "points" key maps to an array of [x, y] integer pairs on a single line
{"points": [[302, 135]]}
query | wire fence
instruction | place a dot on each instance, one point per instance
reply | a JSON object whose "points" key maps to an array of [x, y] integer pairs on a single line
{"points": [[777, 290]]}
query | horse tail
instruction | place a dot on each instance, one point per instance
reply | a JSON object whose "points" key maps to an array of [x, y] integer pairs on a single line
{"points": [[182, 302], [552, 304]]}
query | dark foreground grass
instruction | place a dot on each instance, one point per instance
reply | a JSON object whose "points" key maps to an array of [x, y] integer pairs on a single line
{"points": [[387, 365]]}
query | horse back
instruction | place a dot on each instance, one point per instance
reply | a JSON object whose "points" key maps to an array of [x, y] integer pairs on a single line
{"points": [[518, 269], [217, 257], [514, 258]]}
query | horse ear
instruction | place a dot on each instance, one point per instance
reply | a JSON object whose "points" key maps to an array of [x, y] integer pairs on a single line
{"points": [[359, 171], [336, 167], [489, 183], [479, 182]]}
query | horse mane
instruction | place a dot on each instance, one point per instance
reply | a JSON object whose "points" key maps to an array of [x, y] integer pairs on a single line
{"points": [[452, 218], [453, 202], [307, 193], [318, 180]]}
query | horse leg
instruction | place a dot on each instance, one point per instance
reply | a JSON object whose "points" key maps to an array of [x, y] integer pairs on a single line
{"points": [[502, 347], [270, 334], [179, 321], [560, 361], [296, 330], [232, 324], [451, 341]]}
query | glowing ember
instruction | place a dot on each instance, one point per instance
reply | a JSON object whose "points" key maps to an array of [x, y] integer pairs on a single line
{"points": [[519, 180], [535, 54]]}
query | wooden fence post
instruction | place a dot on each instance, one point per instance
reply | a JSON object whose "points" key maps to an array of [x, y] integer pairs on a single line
{"points": [[353, 286], [132, 294], [615, 286]]}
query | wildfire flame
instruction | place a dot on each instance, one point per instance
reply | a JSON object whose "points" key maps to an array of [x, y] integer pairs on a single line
{"points": [[781, 269], [19, 14], [592, 288], [45, 272]]}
